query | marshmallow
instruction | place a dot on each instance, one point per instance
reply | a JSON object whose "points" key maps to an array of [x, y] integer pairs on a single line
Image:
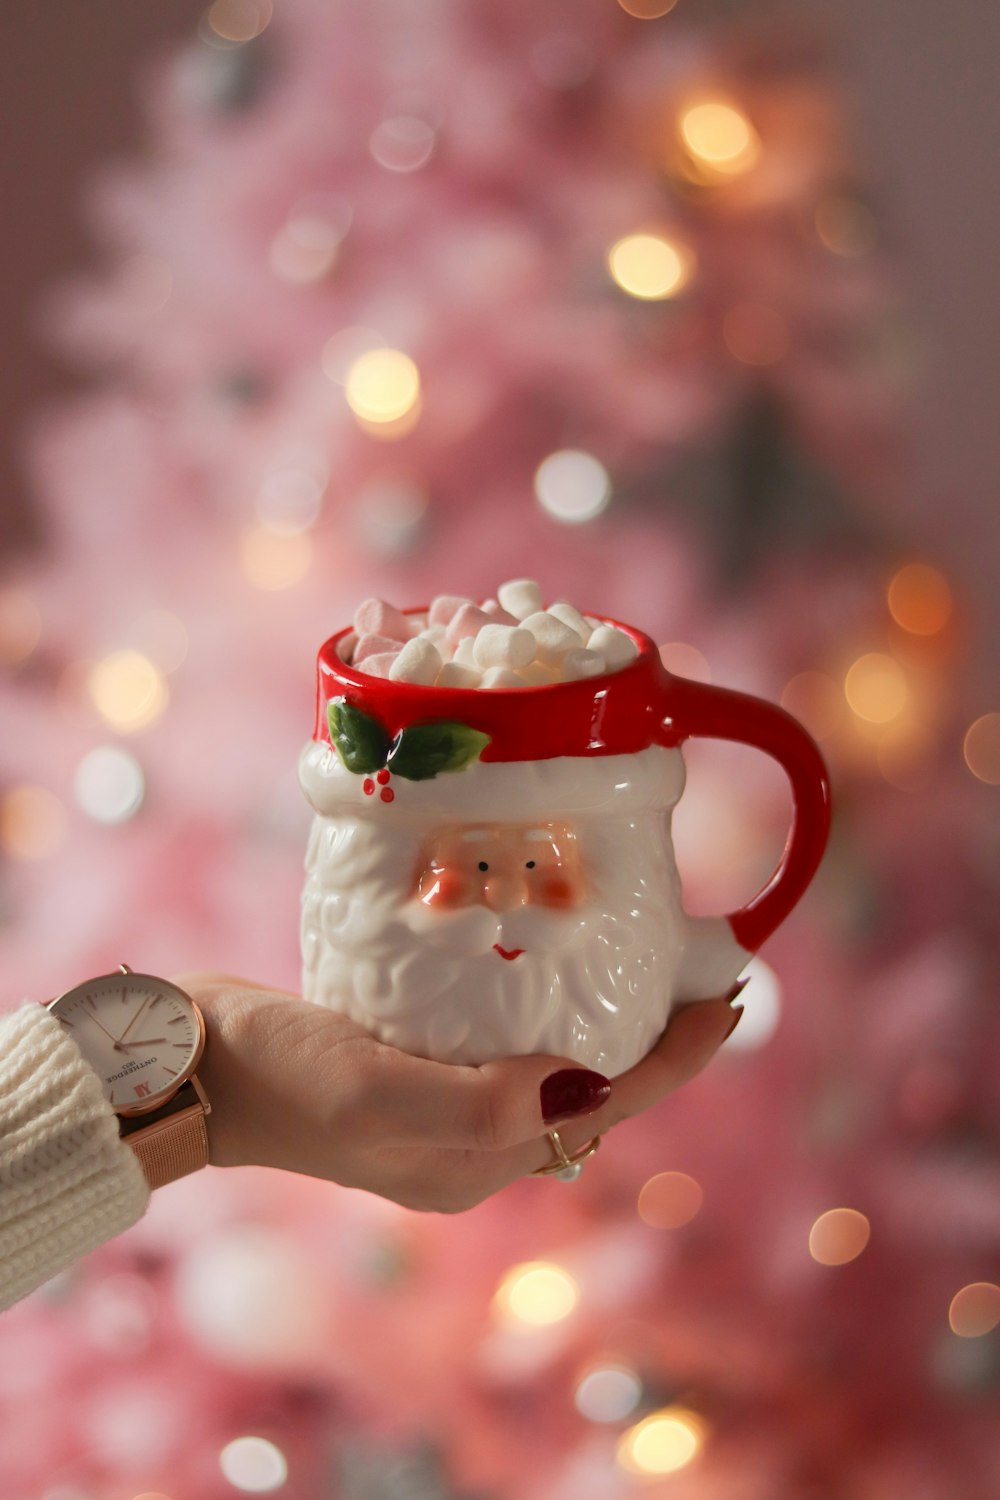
{"points": [[465, 652], [501, 677], [553, 638], [573, 618], [454, 675], [617, 648], [373, 645], [466, 621], [380, 665], [436, 635], [536, 674], [582, 663], [376, 617], [444, 609], [417, 662], [497, 613], [520, 597], [504, 646]]}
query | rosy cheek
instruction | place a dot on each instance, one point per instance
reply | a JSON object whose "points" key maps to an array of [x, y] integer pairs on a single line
{"points": [[557, 891], [443, 888]]}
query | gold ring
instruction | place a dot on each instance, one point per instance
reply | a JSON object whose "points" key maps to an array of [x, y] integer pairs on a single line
{"points": [[568, 1168]]}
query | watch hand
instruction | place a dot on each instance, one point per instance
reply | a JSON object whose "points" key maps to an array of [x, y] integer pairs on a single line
{"points": [[107, 1033], [148, 1041], [135, 1018]]}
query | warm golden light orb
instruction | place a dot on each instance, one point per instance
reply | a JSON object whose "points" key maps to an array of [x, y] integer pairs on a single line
{"points": [[128, 691], [537, 1293], [975, 1310], [383, 385], [919, 599], [838, 1236], [669, 1200], [662, 1443], [720, 137], [875, 687], [649, 267]]}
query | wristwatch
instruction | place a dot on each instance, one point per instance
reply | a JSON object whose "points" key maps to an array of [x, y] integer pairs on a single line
{"points": [[144, 1037]]}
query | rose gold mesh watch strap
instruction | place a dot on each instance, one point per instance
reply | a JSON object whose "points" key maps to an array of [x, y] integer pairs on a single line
{"points": [[173, 1147]]}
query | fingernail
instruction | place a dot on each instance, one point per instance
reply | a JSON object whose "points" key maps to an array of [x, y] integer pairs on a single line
{"points": [[737, 1012], [572, 1091]]}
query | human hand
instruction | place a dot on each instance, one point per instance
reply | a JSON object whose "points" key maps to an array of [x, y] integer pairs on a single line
{"points": [[301, 1088]]}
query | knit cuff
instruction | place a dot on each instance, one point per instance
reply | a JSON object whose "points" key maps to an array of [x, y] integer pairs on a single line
{"points": [[67, 1180]]}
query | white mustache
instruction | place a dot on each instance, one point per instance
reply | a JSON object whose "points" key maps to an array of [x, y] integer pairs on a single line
{"points": [[475, 929]]}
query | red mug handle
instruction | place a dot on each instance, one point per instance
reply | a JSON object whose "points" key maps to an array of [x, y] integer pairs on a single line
{"points": [[697, 709]]}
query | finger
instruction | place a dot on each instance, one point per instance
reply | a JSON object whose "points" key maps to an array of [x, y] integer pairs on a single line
{"points": [[493, 1107], [692, 1038]]}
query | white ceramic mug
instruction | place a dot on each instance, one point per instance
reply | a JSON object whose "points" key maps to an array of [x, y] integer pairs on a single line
{"points": [[491, 872]]}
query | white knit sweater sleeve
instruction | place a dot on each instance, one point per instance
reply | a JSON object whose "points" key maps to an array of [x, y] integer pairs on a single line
{"points": [[67, 1181]]}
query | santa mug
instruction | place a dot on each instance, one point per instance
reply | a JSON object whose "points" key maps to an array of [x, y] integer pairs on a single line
{"points": [[490, 872]]}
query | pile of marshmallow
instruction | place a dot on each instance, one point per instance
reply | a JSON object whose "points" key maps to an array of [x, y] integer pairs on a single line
{"points": [[507, 642]]}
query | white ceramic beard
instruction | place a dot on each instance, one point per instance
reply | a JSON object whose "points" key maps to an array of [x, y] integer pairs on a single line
{"points": [[594, 983]]}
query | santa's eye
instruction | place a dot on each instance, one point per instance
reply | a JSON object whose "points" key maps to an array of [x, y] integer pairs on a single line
{"points": [[483, 865], [530, 865]]}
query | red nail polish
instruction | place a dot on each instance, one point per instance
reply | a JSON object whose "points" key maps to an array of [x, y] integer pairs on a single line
{"points": [[737, 1012], [572, 1091]]}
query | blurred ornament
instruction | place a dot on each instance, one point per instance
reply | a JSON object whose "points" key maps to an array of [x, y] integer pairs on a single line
{"points": [[572, 486], [720, 142], [253, 1465], [838, 1236], [662, 1443], [875, 688], [108, 784]]}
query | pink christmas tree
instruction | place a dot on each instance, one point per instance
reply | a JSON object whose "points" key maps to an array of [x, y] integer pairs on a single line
{"points": [[415, 298]]}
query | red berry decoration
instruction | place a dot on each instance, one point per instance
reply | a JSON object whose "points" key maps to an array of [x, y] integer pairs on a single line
{"points": [[382, 777], [368, 786], [387, 794]]}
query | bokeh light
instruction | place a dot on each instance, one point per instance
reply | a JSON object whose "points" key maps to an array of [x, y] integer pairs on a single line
{"points": [[649, 267], [919, 598], [755, 334], [33, 822], [816, 700], [572, 486], [20, 626], [720, 137], [609, 1393], [669, 1200], [128, 691], [686, 661], [838, 1236], [108, 784], [647, 10], [254, 1465], [402, 143], [536, 1292], [975, 1310], [876, 689], [383, 385], [761, 1001], [238, 20], [845, 226], [982, 749], [274, 560], [663, 1442]]}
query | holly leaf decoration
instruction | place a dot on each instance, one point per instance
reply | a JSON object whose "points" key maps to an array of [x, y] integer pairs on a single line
{"points": [[425, 750], [361, 741]]}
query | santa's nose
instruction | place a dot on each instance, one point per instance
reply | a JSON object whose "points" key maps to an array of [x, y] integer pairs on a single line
{"points": [[504, 891]]}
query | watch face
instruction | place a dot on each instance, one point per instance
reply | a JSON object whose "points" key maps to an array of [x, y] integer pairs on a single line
{"points": [[142, 1036]]}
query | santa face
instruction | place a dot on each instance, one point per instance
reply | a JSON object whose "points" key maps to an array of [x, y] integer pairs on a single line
{"points": [[484, 940]]}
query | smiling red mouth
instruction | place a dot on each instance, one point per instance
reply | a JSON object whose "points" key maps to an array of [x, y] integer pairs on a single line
{"points": [[508, 952]]}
